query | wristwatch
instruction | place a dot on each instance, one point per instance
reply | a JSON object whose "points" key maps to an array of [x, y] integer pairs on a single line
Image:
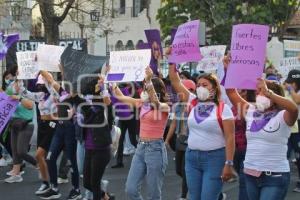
{"points": [[229, 162]]}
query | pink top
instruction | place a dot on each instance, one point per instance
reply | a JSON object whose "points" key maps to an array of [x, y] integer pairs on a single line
{"points": [[152, 124]]}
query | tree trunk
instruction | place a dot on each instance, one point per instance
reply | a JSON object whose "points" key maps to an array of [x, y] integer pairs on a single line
{"points": [[51, 33]]}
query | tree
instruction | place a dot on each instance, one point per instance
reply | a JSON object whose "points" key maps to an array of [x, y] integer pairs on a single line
{"points": [[221, 15]]}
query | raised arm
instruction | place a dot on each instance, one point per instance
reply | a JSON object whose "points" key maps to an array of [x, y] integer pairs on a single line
{"points": [[291, 111], [125, 99], [50, 80]]}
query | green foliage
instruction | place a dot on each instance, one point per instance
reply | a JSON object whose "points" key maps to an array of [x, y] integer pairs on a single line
{"points": [[220, 15]]}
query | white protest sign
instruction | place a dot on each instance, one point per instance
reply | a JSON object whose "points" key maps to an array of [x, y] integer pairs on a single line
{"points": [[287, 64], [27, 65], [49, 57], [127, 66], [212, 57]]}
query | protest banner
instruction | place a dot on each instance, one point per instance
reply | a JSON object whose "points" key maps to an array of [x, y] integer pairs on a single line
{"points": [[6, 42], [127, 66], [153, 37], [212, 57], [185, 47], [248, 54], [48, 57], [76, 63], [291, 48], [7, 108], [27, 65], [287, 64]]}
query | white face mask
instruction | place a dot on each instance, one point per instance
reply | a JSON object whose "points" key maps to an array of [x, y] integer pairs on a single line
{"points": [[202, 93], [262, 103], [145, 96]]}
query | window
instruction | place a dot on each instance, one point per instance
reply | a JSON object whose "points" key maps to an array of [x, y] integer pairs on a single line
{"points": [[119, 46], [129, 45], [122, 6]]}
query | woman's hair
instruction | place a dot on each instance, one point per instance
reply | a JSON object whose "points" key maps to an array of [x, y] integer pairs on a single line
{"points": [[160, 90], [276, 88], [215, 83], [297, 82], [12, 71], [186, 74]]}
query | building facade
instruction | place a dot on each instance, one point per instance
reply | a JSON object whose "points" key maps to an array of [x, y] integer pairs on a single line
{"points": [[117, 24]]}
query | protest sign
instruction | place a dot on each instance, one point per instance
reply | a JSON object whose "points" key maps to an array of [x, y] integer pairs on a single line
{"points": [[185, 47], [248, 54], [287, 64], [173, 33], [27, 65], [48, 57], [212, 57], [76, 63], [128, 66], [5, 43], [291, 48], [7, 108], [153, 37]]}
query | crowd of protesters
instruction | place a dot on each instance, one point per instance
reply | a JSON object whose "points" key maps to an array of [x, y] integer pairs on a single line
{"points": [[253, 136]]}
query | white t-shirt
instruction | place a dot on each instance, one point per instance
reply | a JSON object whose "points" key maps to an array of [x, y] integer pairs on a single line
{"points": [[207, 135], [267, 148]]}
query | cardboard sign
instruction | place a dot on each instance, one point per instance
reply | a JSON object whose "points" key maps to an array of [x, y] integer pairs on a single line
{"points": [[127, 66], [7, 108], [212, 57], [287, 64], [248, 54], [185, 46], [153, 37], [76, 63], [27, 65], [49, 57]]}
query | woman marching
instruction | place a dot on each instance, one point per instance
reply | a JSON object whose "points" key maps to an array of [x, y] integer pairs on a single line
{"points": [[209, 156], [266, 168], [150, 158]]}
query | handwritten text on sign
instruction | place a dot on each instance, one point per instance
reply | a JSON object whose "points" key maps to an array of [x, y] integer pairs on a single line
{"points": [[212, 57], [287, 64], [49, 57], [185, 47], [128, 66], [7, 108], [27, 65], [248, 52]]}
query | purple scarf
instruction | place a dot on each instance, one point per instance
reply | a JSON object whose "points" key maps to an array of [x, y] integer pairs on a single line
{"points": [[202, 111], [260, 120]]}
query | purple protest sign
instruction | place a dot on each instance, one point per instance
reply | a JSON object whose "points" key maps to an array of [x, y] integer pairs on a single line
{"points": [[5, 42], [248, 53], [154, 41], [143, 45], [173, 32], [185, 47], [7, 108]]}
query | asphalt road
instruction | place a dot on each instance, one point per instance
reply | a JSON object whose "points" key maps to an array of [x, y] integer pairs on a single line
{"points": [[117, 178]]}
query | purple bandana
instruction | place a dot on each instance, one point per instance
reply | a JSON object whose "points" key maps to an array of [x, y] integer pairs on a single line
{"points": [[260, 120], [202, 111]]}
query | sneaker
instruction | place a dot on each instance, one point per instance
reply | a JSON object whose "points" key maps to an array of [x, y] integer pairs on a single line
{"points": [[62, 180], [3, 162], [224, 196], [297, 189], [50, 194], [10, 173], [14, 179], [9, 160], [43, 189], [74, 195]]}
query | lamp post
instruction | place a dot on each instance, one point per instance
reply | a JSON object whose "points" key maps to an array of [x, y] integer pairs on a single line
{"points": [[16, 12]]}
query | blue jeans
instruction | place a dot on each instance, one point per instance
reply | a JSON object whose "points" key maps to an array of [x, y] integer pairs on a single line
{"points": [[150, 161], [272, 187], [203, 173], [64, 136]]}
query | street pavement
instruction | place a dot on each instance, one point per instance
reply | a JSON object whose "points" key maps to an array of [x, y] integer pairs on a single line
{"points": [[116, 177]]}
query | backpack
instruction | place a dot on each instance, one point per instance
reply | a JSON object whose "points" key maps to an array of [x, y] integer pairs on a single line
{"points": [[219, 111]]}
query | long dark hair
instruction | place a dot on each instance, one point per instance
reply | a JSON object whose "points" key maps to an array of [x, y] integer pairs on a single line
{"points": [[215, 83], [12, 71], [160, 89]]}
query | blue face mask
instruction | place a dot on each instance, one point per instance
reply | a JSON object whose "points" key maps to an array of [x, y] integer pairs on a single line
{"points": [[9, 81]]}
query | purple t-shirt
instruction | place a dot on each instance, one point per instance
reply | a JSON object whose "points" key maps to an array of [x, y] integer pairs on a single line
{"points": [[89, 143], [121, 107]]}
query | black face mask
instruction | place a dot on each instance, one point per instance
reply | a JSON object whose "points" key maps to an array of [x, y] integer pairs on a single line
{"points": [[41, 88]]}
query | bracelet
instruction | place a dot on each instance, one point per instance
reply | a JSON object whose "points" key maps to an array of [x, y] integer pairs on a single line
{"points": [[149, 84], [229, 162], [269, 93]]}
